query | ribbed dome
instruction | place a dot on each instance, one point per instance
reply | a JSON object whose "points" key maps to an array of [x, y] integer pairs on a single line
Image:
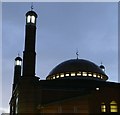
{"points": [[77, 65]]}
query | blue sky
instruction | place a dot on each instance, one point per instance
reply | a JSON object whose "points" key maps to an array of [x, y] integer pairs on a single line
{"points": [[62, 28]]}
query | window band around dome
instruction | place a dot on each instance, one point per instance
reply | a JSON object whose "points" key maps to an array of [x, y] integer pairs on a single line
{"points": [[77, 74], [77, 68]]}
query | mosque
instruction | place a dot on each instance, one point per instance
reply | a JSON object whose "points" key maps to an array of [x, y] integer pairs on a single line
{"points": [[75, 86]]}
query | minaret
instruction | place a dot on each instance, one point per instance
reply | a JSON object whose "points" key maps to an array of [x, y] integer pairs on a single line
{"points": [[17, 76], [17, 71], [23, 95], [29, 54]]}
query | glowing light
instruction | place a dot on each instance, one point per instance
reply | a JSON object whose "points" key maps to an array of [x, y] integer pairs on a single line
{"points": [[79, 74], [72, 74], [67, 74], [113, 107], [98, 76], [33, 19], [94, 75], [84, 73], [53, 77], [57, 76], [28, 19], [102, 76], [61, 75], [97, 88], [103, 107], [18, 62], [89, 74]]}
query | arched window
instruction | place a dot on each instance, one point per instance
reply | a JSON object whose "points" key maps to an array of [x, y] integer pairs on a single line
{"points": [[33, 19], [103, 107], [30, 19], [113, 106]]}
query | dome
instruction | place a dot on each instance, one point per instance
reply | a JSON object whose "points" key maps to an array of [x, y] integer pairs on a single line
{"points": [[102, 67], [78, 68], [31, 13], [18, 58]]}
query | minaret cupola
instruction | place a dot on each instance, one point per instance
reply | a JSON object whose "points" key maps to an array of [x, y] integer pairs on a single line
{"points": [[102, 67], [18, 61], [31, 17], [17, 71]]}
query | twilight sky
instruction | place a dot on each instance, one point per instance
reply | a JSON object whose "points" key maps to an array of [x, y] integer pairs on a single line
{"points": [[62, 28]]}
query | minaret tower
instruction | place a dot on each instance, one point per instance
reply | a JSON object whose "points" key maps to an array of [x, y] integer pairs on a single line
{"points": [[17, 71], [25, 85], [29, 54], [16, 80]]}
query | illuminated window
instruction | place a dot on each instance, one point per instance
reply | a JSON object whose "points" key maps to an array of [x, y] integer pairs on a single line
{"points": [[103, 107], [72, 74], [28, 19], [94, 75], [18, 62], [102, 76], [62, 75], [84, 73], [67, 74], [53, 77], [89, 74], [57, 76], [98, 76], [33, 19], [113, 107], [79, 74]]}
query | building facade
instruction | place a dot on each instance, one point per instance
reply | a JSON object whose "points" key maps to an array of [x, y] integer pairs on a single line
{"points": [[74, 86]]}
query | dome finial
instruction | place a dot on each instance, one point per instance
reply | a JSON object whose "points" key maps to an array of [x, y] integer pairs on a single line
{"points": [[77, 53], [31, 6], [18, 54]]}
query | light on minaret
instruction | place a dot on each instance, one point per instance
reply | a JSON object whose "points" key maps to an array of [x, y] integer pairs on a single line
{"points": [[17, 71], [18, 61], [31, 17]]}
